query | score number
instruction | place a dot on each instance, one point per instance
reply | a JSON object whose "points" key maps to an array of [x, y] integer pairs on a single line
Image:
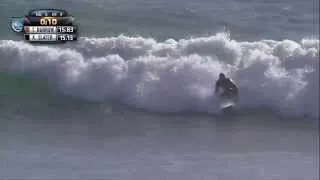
{"points": [[66, 37], [65, 29], [48, 21]]}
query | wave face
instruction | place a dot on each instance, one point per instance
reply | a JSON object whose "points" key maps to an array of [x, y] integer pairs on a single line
{"points": [[175, 75]]}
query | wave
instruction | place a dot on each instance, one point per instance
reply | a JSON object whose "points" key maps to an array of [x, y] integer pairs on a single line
{"points": [[175, 75]]}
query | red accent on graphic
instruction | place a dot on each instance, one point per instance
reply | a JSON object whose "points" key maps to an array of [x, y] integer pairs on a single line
{"points": [[26, 29]]}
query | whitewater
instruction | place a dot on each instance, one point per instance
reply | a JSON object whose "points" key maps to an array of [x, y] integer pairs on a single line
{"points": [[173, 76]]}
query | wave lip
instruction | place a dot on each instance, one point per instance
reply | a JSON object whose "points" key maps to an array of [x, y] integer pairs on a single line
{"points": [[176, 75]]}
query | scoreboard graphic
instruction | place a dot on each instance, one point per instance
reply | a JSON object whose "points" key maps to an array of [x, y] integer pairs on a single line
{"points": [[46, 25]]}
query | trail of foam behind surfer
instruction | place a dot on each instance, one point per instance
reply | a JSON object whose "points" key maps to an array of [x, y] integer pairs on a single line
{"points": [[175, 75]]}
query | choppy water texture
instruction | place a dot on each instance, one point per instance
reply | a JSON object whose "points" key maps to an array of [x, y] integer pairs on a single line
{"points": [[133, 98]]}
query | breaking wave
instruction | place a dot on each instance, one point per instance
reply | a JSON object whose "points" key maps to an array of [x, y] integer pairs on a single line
{"points": [[175, 75]]}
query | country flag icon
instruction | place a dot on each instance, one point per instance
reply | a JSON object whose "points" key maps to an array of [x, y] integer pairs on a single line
{"points": [[16, 24]]}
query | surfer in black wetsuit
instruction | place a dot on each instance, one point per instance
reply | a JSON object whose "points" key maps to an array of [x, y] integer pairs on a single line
{"points": [[229, 89]]}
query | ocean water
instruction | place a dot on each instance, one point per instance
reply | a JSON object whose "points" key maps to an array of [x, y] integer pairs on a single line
{"points": [[133, 98]]}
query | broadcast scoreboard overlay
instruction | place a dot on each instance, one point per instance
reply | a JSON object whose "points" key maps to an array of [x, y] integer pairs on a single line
{"points": [[46, 25]]}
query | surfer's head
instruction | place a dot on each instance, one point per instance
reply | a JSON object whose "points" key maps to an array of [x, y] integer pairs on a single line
{"points": [[222, 76]]}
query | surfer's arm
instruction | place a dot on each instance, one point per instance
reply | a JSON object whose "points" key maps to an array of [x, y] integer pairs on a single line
{"points": [[233, 85], [235, 90]]}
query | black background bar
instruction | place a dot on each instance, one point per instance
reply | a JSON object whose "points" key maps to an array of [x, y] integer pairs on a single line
{"points": [[48, 12]]}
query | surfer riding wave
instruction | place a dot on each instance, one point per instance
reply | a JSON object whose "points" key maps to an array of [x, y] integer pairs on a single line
{"points": [[226, 89]]}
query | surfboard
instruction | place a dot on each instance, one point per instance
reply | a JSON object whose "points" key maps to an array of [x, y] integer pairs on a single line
{"points": [[227, 107]]}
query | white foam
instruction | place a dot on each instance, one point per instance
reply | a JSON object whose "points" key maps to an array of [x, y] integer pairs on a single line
{"points": [[176, 75]]}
